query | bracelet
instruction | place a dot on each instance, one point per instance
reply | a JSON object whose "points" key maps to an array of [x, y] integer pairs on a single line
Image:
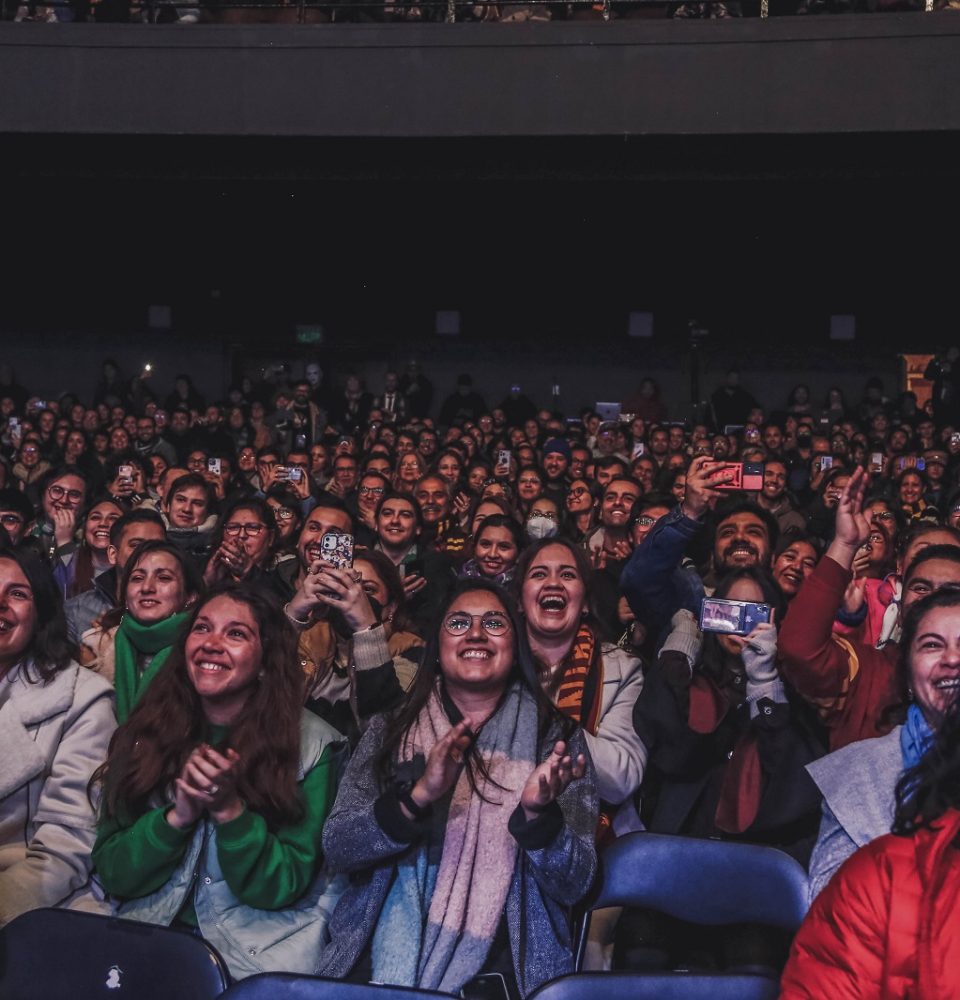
{"points": [[405, 798], [296, 621]]}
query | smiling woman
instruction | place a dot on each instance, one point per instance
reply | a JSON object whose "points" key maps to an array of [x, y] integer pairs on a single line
{"points": [[55, 723], [159, 583], [216, 790], [467, 818]]}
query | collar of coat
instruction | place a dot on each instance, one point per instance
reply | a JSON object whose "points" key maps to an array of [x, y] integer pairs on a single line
{"points": [[29, 705]]}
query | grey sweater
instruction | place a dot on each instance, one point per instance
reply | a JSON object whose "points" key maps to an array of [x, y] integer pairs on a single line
{"points": [[555, 866]]}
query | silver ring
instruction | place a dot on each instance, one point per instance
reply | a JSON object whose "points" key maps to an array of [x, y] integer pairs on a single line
{"points": [[213, 789]]}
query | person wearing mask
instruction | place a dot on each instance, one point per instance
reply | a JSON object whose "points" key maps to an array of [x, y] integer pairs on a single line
{"points": [[56, 720], [215, 793], [543, 521], [467, 817]]}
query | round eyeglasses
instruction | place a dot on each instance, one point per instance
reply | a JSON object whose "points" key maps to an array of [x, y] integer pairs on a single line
{"points": [[492, 622]]}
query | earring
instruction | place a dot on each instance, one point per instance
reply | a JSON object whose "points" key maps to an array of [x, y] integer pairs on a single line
{"points": [[261, 675]]}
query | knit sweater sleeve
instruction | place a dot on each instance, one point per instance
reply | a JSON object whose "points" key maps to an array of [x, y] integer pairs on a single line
{"points": [[136, 860], [271, 870]]}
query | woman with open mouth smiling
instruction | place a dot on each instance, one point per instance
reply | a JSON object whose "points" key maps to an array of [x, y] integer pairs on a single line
{"points": [[593, 682], [467, 818], [56, 720], [216, 790], [160, 582], [859, 781]]}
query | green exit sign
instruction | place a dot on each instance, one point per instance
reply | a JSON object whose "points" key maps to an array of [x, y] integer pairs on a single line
{"points": [[309, 334]]}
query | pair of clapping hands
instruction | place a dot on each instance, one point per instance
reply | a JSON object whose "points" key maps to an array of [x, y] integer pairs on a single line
{"points": [[546, 783], [206, 784]]}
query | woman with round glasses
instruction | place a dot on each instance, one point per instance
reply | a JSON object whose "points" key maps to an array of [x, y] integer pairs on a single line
{"points": [[410, 469], [160, 582], [241, 548], [466, 817], [62, 495], [583, 509]]}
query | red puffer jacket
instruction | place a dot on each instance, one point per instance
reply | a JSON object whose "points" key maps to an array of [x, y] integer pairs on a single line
{"points": [[887, 927]]}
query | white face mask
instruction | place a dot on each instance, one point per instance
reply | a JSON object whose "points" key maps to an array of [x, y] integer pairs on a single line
{"points": [[538, 527]]}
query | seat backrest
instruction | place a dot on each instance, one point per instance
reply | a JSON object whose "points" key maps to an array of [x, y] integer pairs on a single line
{"points": [[657, 986], [287, 986], [704, 881], [701, 881], [48, 954]]}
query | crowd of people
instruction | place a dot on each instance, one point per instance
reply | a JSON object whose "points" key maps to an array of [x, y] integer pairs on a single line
{"points": [[387, 11], [361, 684]]}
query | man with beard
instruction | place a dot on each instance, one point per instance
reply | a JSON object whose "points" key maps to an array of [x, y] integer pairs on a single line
{"points": [[441, 533], [556, 463], [149, 443], [342, 642], [653, 581], [307, 420], [773, 498]]}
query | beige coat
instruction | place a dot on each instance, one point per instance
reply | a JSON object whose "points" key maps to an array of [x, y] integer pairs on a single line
{"points": [[53, 737]]}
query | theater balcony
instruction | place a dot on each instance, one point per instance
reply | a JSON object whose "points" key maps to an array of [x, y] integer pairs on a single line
{"points": [[839, 75]]}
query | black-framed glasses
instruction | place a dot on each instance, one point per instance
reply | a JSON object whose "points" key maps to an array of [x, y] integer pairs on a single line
{"points": [[377, 491], [250, 530], [492, 622], [645, 521], [59, 492], [284, 513]]}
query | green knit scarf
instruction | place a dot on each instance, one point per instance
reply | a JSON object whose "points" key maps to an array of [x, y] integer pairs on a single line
{"points": [[132, 641]]}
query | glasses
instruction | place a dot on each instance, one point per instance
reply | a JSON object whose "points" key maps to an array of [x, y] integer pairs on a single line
{"points": [[250, 530], [282, 513], [882, 515], [577, 492], [58, 493], [548, 514], [645, 521], [492, 622], [377, 491]]}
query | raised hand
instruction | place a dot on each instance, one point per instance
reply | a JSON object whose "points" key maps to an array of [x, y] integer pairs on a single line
{"points": [[548, 781], [703, 477], [852, 525], [443, 765], [64, 525]]}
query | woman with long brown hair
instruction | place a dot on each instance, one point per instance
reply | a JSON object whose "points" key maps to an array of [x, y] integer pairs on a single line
{"points": [[160, 582], [216, 789]]}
